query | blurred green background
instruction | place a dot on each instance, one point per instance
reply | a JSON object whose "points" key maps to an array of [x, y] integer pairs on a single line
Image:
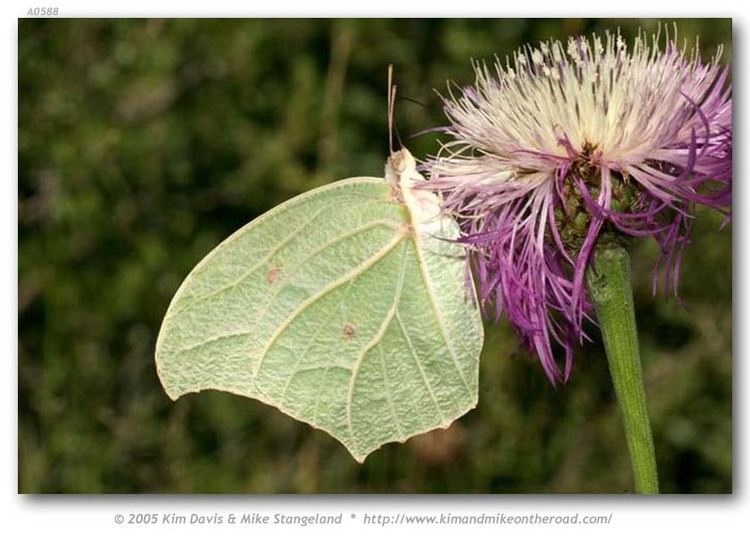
{"points": [[144, 143]]}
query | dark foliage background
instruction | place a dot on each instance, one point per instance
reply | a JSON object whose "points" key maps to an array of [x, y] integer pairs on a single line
{"points": [[144, 143]]}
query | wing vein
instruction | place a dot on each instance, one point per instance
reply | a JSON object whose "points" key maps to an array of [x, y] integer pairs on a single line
{"points": [[275, 250], [211, 340], [324, 382], [333, 285], [299, 361], [284, 280], [375, 340], [438, 315], [421, 369], [254, 267], [384, 371]]}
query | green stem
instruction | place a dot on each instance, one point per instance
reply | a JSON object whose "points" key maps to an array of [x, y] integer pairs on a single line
{"points": [[609, 284]]}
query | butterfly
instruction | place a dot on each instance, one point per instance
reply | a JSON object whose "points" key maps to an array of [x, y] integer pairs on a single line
{"points": [[344, 307]]}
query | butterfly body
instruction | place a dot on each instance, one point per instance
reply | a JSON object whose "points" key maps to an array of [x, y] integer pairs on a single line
{"points": [[424, 206]]}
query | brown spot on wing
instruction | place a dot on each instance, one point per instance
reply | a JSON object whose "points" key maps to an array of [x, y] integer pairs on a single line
{"points": [[349, 330], [273, 274]]}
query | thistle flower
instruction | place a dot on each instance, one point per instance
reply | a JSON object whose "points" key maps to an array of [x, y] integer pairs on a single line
{"points": [[564, 148]]}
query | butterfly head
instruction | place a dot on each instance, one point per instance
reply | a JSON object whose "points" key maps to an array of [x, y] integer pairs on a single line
{"points": [[400, 163]]}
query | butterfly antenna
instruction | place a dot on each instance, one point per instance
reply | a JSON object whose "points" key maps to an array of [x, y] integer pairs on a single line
{"points": [[391, 106]]}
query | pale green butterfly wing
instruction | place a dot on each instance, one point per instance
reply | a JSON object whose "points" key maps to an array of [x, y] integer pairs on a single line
{"points": [[332, 308]]}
